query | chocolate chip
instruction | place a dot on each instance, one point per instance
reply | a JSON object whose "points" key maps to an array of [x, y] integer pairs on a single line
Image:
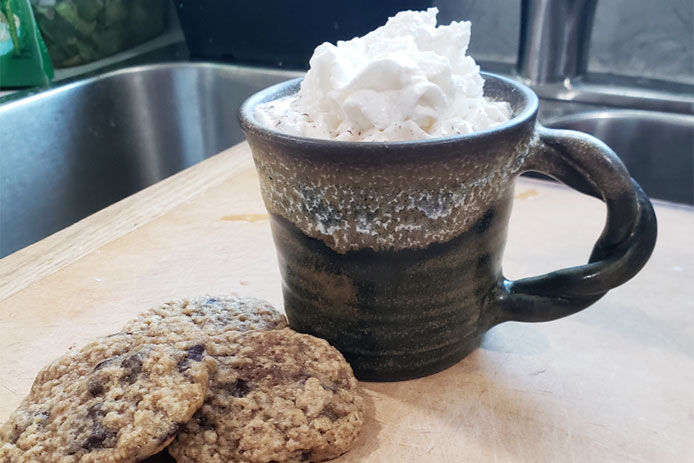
{"points": [[330, 413], [100, 437], [95, 387], [195, 352], [306, 456], [16, 432], [95, 411], [134, 363], [133, 367], [205, 423], [238, 388], [192, 353]]}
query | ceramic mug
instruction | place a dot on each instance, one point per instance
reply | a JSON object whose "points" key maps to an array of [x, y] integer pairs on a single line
{"points": [[392, 250]]}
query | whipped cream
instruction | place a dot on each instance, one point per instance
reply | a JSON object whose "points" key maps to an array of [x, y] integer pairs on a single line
{"points": [[406, 80]]}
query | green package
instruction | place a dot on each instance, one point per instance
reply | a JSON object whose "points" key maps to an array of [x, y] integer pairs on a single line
{"points": [[83, 31], [24, 60]]}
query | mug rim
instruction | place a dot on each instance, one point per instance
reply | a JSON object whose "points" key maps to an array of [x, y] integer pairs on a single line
{"points": [[248, 122]]}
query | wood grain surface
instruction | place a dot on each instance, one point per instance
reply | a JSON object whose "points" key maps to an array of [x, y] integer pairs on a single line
{"points": [[612, 383]]}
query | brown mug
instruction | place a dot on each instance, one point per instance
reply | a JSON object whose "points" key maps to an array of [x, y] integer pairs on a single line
{"points": [[392, 250]]}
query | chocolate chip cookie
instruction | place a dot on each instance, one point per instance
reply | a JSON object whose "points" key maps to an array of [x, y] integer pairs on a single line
{"points": [[275, 396], [210, 315], [116, 400]]}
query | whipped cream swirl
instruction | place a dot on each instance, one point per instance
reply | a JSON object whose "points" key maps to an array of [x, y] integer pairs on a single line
{"points": [[406, 80]]}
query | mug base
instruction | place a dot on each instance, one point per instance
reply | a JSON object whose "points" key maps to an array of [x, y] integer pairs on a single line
{"points": [[418, 367]]}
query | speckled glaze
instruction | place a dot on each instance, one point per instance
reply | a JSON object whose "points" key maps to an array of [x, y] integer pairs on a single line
{"points": [[388, 196], [392, 251]]}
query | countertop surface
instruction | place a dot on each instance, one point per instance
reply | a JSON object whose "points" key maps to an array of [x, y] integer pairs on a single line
{"points": [[611, 383]]}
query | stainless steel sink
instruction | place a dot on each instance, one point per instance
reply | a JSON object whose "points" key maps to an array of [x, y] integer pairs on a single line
{"points": [[657, 148], [73, 150]]}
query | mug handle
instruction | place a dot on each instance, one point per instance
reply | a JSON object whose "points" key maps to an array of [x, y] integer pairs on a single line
{"points": [[588, 165]]}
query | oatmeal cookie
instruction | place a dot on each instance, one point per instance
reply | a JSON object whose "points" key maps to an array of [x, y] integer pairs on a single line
{"points": [[275, 396], [210, 315], [115, 400]]}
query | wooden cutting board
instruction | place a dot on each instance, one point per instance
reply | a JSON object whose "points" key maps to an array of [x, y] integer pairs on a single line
{"points": [[612, 383]]}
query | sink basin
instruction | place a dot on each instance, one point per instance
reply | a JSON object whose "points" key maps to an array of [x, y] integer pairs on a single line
{"points": [[70, 151], [657, 148]]}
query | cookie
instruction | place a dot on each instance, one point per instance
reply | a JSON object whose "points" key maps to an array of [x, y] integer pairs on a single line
{"points": [[116, 400], [275, 396], [210, 315]]}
